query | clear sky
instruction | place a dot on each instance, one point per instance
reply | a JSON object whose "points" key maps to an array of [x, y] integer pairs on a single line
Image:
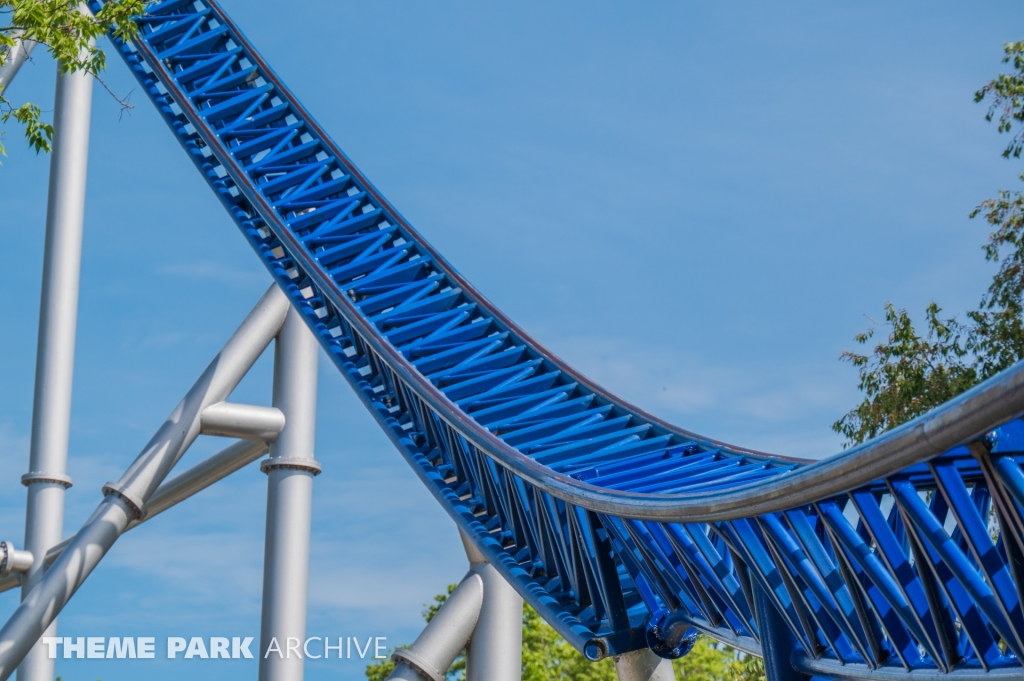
{"points": [[694, 203]]}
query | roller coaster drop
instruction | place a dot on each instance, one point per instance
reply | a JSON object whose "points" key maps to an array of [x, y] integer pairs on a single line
{"points": [[900, 558]]}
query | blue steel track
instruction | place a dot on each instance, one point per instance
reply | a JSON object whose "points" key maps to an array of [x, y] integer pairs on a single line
{"points": [[901, 558]]}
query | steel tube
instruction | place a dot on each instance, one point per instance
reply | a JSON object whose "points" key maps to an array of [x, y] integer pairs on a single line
{"points": [[222, 375], [495, 651], [181, 487], [444, 637], [245, 421], [833, 669], [290, 471], [124, 500], [47, 477], [52, 591], [14, 561], [643, 665], [202, 475], [16, 58]]}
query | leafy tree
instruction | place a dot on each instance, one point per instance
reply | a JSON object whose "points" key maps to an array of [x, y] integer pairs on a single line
{"points": [[709, 661], [69, 36], [748, 668], [1007, 93], [906, 374], [546, 655], [549, 657]]}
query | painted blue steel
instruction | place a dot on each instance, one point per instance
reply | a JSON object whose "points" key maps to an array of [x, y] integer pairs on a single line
{"points": [[567, 490]]}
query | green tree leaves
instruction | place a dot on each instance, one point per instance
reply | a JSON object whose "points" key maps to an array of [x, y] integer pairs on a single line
{"points": [[549, 657], [998, 333], [69, 35], [710, 661], [38, 134], [546, 655], [908, 373], [1007, 93]]}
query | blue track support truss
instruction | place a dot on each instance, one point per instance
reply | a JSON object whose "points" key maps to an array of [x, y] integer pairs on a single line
{"points": [[905, 555]]}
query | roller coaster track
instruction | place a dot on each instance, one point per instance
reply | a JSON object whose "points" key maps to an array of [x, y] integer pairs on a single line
{"points": [[901, 556]]}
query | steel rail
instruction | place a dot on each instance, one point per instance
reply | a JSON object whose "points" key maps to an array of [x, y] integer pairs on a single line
{"points": [[804, 543], [830, 669], [962, 419]]}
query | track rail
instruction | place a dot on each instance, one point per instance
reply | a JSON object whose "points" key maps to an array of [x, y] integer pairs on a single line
{"points": [[905, 554]]}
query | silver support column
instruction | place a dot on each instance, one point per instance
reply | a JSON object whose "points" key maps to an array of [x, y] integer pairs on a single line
{"points": [[55, 354], [290, 471], [495, 652], [444, 637], [643, 665], [126, 499]]}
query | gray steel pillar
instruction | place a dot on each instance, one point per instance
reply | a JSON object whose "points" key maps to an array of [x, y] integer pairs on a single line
{"points": [[495, 651], [290, 471], [444, 637], [643, 665], [126, 499], [55, 354]]}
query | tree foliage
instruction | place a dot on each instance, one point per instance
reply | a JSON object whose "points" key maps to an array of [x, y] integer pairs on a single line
{"points": [[1005, 94], [549, 657], [711, 661], [908, 373], [69, 35], [997, 333]]}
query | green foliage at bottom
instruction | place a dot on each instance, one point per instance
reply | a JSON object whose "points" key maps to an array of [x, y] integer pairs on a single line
{"points": [[546, 655], [549, 657]]}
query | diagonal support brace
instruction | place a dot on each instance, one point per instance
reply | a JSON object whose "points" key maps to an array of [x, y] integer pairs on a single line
{"points": [[444, 637], [125, 500], [217, 467]]}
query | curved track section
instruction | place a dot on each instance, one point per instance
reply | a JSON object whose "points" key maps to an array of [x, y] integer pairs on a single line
{"points": [[904, 555]]}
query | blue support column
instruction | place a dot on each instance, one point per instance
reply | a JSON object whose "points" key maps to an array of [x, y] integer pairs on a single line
{"points": [[777, 642]]}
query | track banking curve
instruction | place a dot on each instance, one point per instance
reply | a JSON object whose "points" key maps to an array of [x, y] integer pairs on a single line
{"points": [[905, 554]]}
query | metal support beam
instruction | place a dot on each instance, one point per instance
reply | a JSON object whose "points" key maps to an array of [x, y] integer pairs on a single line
{"points": [[777, 641], [15, 58], [202, 475], [14, 561], [125, 500], [495, 652], [643, 665], [245, 421], [47, 478], [290, 471], [444, 637], [222, 464]]}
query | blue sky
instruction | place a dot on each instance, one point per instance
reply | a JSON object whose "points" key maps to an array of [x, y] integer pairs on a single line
{"points": [[696, 204]]}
